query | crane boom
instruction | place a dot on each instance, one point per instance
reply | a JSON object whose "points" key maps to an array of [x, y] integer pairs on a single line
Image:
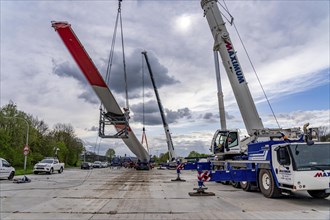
{"points": [[99, 86], [169, 141], [221, 104], [223, 44]]}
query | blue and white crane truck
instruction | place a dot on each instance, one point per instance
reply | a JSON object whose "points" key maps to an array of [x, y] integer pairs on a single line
{"points": [[276, 161], [274, 167]]}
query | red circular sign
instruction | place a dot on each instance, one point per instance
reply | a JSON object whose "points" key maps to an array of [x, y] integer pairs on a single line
{"points": [[26, 150]]}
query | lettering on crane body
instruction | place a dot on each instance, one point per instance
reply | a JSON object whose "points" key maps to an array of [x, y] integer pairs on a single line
{"points": [[234, 62], [322, 174]]}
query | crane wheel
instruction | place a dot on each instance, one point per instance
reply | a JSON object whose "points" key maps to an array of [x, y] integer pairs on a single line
{"points": [[267, 184]]}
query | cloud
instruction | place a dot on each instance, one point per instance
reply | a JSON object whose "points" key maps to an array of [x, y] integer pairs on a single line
{"points": [[68, 69], [183, 143], [152, 114], [134, 74], [214, 117], [116, 79], [316, 118], [208, 115], [174, 116], [89, 96]]}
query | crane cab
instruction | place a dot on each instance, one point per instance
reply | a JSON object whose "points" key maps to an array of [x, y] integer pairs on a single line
{"points": [[225, 142]]}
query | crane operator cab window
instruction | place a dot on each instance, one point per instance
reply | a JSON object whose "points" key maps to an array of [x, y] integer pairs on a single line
{"points": [[232, 140], [225, 141], [219, 142]]}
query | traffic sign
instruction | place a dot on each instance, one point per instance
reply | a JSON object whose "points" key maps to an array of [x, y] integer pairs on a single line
{"points": [[26, 150]]}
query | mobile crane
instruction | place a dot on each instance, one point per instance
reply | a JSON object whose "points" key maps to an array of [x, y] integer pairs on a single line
{"points": [[274, 160], [172, 155]]}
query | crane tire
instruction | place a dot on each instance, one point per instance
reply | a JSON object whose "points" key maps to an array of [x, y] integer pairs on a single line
{"points": [[246, 186], [318, 194], [236, 184], [267, 184]]}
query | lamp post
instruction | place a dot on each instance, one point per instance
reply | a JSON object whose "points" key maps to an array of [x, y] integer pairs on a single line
{"points": [[84, 143], [26, 147]]}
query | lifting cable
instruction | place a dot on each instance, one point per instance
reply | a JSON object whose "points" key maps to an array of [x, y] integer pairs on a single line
{"points": [[144, 135], [248, 56], [124, 62], [110, 61]]}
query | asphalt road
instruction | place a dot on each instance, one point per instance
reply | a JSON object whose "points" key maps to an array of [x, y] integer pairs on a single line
{"points": [[129, 194]]}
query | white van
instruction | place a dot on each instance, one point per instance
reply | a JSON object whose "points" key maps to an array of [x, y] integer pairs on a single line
{"points": [[6, 170]]}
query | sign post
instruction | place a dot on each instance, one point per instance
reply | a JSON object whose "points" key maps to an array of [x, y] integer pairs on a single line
{"points": [[26, 152]]}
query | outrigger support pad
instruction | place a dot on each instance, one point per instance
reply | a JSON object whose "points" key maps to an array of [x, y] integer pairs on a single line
{"points": [[201, 192], [179, 179], [179, 167]]}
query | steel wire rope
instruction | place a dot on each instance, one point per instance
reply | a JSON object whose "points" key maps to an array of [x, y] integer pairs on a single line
{"points": [[111, 53], [123, 50], [143, 110], [250, 61]]}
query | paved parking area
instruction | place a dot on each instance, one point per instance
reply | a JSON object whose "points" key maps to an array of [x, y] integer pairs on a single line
{"points": [[129, 194]]}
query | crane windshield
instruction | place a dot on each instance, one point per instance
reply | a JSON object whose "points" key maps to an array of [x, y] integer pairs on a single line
{"points": [[311, 157], [219, 140]]}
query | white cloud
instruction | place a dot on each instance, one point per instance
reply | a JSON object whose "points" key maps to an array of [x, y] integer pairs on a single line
{"points": [[287, 41]]}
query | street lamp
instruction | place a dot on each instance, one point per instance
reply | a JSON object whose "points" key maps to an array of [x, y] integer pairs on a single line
{"points": [[56, 150], [26, 147], [84, 143]]}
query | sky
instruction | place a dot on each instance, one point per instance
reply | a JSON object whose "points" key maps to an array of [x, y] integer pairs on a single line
{"points": [[287, 41]]}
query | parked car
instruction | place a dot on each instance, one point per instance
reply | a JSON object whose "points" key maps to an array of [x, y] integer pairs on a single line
{"points": [[116, 162], [97, 164], [104, 164], [48, 165], [86, 166], [6, 170]]}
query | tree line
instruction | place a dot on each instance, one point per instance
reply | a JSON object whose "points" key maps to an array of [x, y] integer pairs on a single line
{"points": [[43, 141], [16, 126]]}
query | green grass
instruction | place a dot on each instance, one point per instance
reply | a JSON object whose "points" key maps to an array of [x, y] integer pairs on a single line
{"points": [[20, 171]]}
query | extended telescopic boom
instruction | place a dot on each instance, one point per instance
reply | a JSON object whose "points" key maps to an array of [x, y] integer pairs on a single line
{"points": [[223, 44], [171, 151]]}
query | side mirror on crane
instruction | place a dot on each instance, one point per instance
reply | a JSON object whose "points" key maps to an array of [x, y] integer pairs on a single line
{"points": [[283, 156]]}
